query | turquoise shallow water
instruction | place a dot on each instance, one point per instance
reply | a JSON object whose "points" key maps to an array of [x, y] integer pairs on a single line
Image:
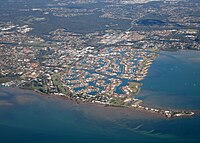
{"points": [[26, 117]]}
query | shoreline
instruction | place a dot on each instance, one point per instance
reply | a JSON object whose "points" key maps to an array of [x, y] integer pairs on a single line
{"points": [[166, 113], [89, 110], [113, 108]]}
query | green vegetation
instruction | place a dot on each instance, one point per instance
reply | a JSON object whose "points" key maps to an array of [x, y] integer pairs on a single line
{"points": [[117, 101], [5, 79], [39, 44], [58, 84], [135, 87], [36, 86]]}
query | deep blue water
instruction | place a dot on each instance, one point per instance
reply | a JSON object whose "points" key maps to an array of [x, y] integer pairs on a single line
{"points": [[174, 80], [148, 22], [26, 117]]}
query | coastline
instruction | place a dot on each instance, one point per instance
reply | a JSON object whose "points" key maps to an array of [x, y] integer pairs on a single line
{"points": [[166, 113], [96, 109], [67, 112]]}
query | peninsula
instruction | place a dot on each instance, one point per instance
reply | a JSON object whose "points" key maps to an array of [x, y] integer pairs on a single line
{"points": [[103, 63]]}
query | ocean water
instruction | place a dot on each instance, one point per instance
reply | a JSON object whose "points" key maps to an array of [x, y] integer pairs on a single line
{"points": [[173, 82]]}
